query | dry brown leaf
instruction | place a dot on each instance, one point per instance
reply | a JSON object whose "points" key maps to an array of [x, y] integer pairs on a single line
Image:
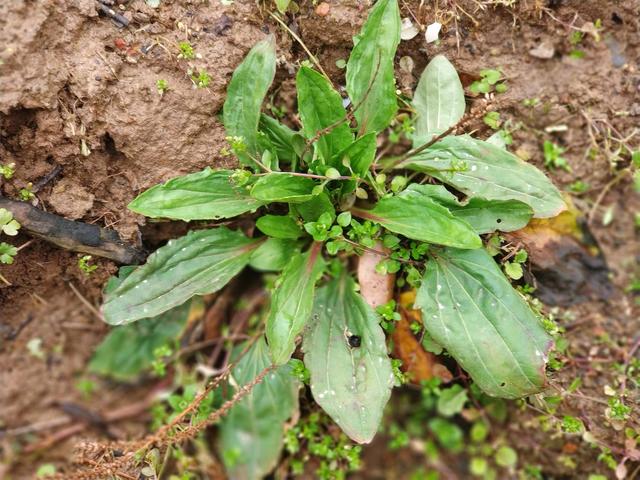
{"points": [[416, 361], [563, 266]]}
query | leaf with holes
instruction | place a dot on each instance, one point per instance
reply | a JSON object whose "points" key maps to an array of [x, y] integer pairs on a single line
{"points": [[370, 82], [292, 302], [480, 169], [351, 383], [201, 262], [252, 434], [321, 107], [483, 215], [438, 100], [470, 308], [206, 195], [245, 94]]}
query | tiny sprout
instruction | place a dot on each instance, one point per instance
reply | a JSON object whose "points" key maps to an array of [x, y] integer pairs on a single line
{"points": [[8, 225], [7, 253], [201, 80], [7, 170], [162, 86], [186, 51], [85, 266], [26, 194]]}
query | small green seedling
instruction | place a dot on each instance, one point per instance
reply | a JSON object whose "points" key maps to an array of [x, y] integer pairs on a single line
{"points": [[7, 171], [186, 51], [85, 266], [26, 194], [162, 86], [7, 253], [200, 79], [320, 199], [491, 80], [553, 156], [8, 225]]}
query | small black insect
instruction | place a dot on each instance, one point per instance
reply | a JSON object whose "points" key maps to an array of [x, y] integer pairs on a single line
{"points": [[354, 341]]}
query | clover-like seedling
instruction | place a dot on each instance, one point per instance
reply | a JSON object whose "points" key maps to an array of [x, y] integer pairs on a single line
{"points": [[8, 225], [320, 197]]}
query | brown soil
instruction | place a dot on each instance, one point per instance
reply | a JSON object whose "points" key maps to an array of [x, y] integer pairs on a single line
{"points": [[79, 95]]}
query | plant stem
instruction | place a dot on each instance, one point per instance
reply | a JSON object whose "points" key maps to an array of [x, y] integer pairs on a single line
{"points": [[306, 175], [299, 40]]}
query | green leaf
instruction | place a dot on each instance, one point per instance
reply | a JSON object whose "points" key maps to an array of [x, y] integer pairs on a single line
{"points": [[351, 384], [480, 169], [320, 106], [421, 218], [245, 94], [438, 100], [201, 262], [252, 434], [282, 5], [279, 226], [292, 302], [283, 187], [7, 252], [469, 308], [452, 401], [128, 350], [506, 457], [8, 225], [310, 211], [273, 255], [360, 154], [205, 195], [490, 215], [288, 144], [370, 76], [483, 215]]}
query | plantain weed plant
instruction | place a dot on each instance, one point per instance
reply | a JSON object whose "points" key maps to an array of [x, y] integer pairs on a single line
{"points": [[318, 201]]}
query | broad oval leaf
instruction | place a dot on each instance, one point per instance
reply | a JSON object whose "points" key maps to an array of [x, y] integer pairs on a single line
{"points": [[421, 218], [480, 169], [292, 302], [487, 216], [370, 75], [470, 308], [360, 154], [201, 262], [245, 94], [483, 215], [273, 255], [252, 434], [438, 100], [205, 195], [279, 226], [128, 350], [351, 384], [320, 106], [283, 187]]}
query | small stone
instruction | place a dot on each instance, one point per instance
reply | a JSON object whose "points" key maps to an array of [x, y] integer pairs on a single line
{"points": [[545, 50], [408, 30], [432, 33], [322, 10]]}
